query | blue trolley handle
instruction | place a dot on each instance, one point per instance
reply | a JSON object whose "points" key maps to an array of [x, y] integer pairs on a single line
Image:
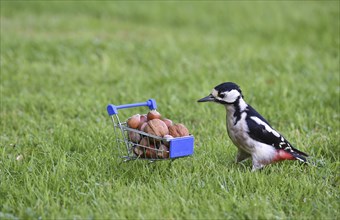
{"points": [[113, 109]]}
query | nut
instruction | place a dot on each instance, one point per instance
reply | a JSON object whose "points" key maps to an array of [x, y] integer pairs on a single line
{"points": [[134, 121], [134, 137], [156, 127], [163, 151], [144, 142], [178, 130], [168, 136], [137, 150], [143, 118], [147, 142], [141, 126], [167, 143], [150, 152], [153, 114], [167, 121]]}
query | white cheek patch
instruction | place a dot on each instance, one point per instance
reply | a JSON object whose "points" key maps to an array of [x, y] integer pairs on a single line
{"points": [[214, 92], [232, 96], [266, 126]]}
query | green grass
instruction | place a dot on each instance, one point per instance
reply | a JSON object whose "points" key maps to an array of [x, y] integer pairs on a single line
{"points": [[62, 62]]}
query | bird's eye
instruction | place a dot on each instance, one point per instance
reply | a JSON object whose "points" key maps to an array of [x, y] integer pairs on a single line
{"points": [[221, 95]]}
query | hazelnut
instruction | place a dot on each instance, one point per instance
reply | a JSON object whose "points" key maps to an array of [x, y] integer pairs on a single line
{"points": [[143, 118], [144, 142], [167, 143], [163, 151], [137, 150], [168, 136], [156, 127], [167, 121], [134, 137], [153, 114], [151, 152], [178, 130], [134, 121]]}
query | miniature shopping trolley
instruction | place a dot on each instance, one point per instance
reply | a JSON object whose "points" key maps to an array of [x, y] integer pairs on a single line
{"points": [[136, 144]]}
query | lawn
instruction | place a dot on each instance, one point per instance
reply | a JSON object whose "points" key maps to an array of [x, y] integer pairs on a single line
{"points": [[62, 62]]}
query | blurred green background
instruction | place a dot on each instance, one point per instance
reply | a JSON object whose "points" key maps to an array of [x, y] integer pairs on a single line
{"points": [[62, 62]]}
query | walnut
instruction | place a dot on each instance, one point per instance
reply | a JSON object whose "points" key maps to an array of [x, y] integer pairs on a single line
{"points": [[178, 130], [142, 126], [156, 127]]}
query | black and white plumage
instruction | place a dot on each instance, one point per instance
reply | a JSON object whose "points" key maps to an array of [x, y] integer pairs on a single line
{"points": [[249, 131]]}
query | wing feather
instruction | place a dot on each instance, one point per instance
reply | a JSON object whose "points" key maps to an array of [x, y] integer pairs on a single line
{"points": [[261, 133], [260, 130]]}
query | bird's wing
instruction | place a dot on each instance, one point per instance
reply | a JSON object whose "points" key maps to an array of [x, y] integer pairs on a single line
{"points": [[261, 131]]}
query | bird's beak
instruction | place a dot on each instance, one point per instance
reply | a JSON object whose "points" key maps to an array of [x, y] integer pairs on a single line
{"points": [[208, 98]]}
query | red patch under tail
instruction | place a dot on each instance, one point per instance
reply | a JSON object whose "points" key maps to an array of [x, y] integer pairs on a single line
{"points": [[283, 155]]}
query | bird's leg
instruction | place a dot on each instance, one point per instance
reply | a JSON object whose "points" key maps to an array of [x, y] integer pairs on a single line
{"points": [[257, 165], [241, 156]]}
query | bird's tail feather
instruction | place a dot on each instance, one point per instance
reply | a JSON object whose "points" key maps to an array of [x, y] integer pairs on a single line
{"points": [[300, 157]]}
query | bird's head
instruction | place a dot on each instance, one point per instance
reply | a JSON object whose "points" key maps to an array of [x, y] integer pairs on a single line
{"points": [[226, 93]]}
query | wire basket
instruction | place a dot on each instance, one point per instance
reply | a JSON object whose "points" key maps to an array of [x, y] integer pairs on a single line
{"points": [[148, 147]]}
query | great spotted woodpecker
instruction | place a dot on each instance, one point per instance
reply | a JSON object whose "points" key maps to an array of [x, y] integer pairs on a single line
{"points": [[249, 131]]}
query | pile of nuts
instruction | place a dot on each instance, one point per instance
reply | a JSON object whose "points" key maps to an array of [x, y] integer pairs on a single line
{"points": [[154, 124]]}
